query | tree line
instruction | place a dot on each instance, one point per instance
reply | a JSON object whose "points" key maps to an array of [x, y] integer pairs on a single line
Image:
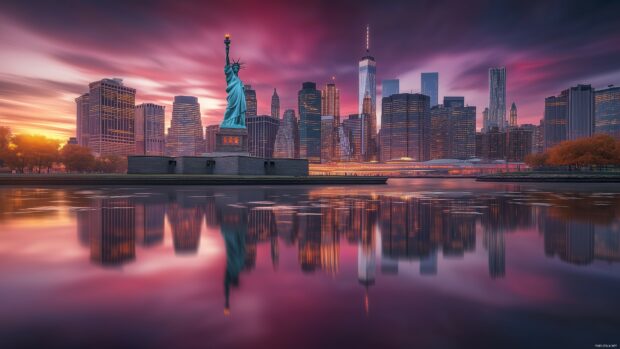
{"points": [[25, 153], [596, 152]]}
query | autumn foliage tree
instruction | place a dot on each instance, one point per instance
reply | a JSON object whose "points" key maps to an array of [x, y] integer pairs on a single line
{"points": [[595, 151], [77, 158], [537, 160], [33, 152]]}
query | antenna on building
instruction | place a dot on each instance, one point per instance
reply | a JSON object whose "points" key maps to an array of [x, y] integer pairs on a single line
{"points": [[367, 38]]}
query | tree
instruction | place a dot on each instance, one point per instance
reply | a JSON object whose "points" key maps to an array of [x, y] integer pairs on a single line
{"points": [[537, 160], [599, 150], [5, 142], [111, 164], [77, 158], [35, 152]]}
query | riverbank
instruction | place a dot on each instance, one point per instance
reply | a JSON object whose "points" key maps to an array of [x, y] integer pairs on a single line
{"points": [[553, 177], [140, 179]]}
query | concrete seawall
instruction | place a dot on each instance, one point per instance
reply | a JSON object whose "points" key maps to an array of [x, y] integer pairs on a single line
{"points": [[551, 178], [165, 179]]}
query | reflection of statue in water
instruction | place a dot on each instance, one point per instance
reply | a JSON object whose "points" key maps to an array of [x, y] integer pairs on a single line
{"points": [[236, 107], [234, 238]]}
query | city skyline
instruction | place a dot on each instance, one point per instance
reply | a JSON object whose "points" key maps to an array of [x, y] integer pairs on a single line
{"points": [[47, 63]]}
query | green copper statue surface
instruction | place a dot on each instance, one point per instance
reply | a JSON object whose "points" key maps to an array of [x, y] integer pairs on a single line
{"points": [[235, 108]]}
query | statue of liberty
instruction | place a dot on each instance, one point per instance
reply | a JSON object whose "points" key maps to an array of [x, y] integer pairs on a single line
{"points": [[235, 108]]}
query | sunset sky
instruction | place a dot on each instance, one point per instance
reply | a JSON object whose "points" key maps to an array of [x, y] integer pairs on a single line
{"points": [[51, 50]]}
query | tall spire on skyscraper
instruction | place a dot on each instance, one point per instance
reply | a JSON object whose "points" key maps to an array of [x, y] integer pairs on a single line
{"points": [[367, 38], [275, 105]]}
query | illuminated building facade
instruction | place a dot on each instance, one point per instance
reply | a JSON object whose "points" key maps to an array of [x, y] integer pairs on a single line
{"points": [[111, 118], [330, 102], [497, 98], [536, 136], [150, 137], [556, 113], [493, 144], [405, 123], [607, 111], [185, 136], [453, 130], [328, 136], [262, 131], [518, 144], [82, 117], [429, 83], [355, 129], [250, 101], [309, 104], [287, 138]]}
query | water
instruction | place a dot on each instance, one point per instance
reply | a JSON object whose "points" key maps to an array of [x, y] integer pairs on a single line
{"points": [[416, 263]]}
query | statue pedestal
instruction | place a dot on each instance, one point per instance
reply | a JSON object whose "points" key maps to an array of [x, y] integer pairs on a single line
{"points": [[231, 141]]}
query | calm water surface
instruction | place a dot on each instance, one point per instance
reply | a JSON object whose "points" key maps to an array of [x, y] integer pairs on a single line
{"points": [[416, 263]]}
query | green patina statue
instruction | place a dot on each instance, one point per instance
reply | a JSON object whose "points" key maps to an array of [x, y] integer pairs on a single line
{"points": [[235, 108]]}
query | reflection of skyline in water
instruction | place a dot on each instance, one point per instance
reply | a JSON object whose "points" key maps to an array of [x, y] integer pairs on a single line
{"points": [[422, 227]]}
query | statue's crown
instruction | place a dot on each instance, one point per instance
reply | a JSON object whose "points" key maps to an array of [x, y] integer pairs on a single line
{"points": [[238, 63]]}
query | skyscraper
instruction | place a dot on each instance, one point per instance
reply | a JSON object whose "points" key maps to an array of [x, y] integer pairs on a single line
{"points": [[453, 130], [513, 115], [355, 128], [111, 118], [81, 123], [327, 138], [518, 143], [405, 122], [185, 134], [390, 87], [430, 86], [497, 97], [556, 114], [150, 136], [367, 86], [580, 121], [485, 120], [250, 101], [287, 138], [262, 131], [607, 111], [463, 135], [309, 104], [330, 102], [275, 105]]}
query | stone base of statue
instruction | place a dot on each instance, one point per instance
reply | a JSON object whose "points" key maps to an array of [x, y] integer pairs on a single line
{"points": [[231, 141]]}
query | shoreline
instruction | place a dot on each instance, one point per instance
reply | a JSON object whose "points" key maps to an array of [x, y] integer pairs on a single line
{"points": [[546, 177], [139, 179]]}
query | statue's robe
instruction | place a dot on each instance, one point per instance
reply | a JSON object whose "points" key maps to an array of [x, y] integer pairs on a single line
{"points": [[235, 108]]}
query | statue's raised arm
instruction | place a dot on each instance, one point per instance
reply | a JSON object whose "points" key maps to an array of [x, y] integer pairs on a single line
{"points": [[227, 43]]}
